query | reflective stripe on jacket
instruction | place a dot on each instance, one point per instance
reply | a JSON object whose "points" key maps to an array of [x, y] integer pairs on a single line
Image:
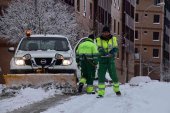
{"points": [[87, 48]]}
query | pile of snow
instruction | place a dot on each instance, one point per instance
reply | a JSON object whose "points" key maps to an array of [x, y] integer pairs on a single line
{"points": [[135, 81], [152, 97], [26, 96], [108, 76]]}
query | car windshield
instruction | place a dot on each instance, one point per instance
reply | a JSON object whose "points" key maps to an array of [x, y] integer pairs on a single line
{"points": [[44, 43]]}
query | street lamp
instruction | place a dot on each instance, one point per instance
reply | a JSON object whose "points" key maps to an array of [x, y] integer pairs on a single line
{"points": [[161, 54], [153, 5]]}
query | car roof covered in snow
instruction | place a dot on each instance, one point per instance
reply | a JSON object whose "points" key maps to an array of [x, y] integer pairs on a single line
{"points": [[48, 35]]}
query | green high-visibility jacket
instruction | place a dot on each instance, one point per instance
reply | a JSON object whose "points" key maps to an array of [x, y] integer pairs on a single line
{"points": [[87, 49], [107, 45]]}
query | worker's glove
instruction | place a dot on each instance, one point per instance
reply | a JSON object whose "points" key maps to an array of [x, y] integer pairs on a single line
{"points": [[101, 51], [113, 51]]}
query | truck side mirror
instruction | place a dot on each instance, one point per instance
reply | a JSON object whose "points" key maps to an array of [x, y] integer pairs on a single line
{"points": [[11, 49]]}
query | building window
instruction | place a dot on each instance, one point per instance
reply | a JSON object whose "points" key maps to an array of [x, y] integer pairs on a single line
{"points": [[156, 2], [156, 53], [137, 17], [136, 56], [118, 5], [114, 26], [84, 13], [145, 32], [99, 14], [118, 27], [78, 5], [102, 15], [136, 50], [145, 49], [114, 2], [156, 19], [137, 1], [109, 20], [136, 34], [155, 35], [91, 11], [105, 18]]}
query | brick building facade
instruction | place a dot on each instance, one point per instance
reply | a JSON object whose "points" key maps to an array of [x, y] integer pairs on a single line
{"points": [[149, 38]]}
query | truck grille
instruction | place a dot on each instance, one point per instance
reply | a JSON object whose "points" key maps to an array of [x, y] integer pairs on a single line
{"points": [[43, 61], [28, 62], [58, 62]]}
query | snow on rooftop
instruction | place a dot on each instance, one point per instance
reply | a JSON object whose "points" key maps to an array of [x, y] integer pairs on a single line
{"points": [[47, 35]]}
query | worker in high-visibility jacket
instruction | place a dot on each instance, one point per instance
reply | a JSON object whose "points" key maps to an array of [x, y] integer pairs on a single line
{"points": [[87, 59], [107, 47]]}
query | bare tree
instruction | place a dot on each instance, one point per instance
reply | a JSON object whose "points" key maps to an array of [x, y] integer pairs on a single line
{"points": [[41, 16]]}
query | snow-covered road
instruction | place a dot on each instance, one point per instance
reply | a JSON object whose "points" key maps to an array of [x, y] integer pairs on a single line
{"points": [[146, 98], [152, 97]]}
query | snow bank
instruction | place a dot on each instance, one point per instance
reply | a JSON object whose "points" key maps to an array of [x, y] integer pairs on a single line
{"points": [[152, 97], [135, 81], [25, 97]]}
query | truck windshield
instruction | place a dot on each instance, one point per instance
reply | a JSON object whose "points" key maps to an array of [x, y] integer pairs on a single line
{"points": [[44, 43]]}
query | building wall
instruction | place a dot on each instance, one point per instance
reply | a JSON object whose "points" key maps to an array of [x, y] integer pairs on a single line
{"points": [[166, 42], [116, 29], [5, 56], [85, 14], [103, 15], [144, 33], [127, 40]]}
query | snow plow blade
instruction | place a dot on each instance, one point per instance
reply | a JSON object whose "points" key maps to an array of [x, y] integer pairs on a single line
{"points": [[11, 80]]}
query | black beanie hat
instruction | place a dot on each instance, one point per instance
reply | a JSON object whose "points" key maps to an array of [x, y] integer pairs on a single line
{"points": [[106, 29], [91, 36]]}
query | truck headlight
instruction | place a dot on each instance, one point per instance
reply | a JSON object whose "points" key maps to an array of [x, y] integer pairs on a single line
{"points": [[19, 62], [67, 61]]}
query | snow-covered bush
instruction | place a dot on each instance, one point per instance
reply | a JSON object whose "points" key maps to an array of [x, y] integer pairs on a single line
{"points": [[41, 16]]}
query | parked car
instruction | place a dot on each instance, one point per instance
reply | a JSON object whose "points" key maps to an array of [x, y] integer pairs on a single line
{"points": [[43, 53]]}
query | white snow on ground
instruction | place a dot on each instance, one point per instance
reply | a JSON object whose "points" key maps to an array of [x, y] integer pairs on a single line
{"points": [[146, 97], [151, 97], [25, 97]]}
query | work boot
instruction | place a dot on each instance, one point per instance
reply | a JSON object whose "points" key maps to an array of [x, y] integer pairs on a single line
{"points": [[99, 96], [118, 93], [80, 88], [93, 92]]}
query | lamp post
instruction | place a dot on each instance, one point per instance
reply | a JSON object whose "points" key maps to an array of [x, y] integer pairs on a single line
{"points": [[161, 54], [150, 6]]}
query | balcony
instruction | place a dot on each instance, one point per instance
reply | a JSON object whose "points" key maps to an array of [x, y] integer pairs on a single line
{"points": [[130, 21], [129, 46]]}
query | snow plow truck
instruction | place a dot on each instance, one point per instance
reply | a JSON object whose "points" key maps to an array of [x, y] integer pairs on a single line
{"points": [[42, 59]]}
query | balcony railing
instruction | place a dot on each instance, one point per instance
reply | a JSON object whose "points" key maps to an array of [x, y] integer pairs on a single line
{"points": [[129, 21], [129, 46]]}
